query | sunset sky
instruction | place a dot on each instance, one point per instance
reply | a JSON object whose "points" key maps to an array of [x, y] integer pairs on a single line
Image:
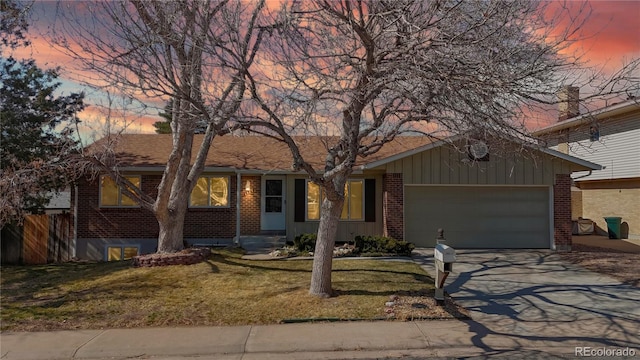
{"points": [[614, 26]]}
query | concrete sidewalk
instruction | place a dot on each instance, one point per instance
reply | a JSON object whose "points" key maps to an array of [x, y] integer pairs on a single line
{"points": [[352, 340]]}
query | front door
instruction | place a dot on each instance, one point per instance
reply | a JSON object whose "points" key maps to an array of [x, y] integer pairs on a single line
{"points": [[273, 203]]}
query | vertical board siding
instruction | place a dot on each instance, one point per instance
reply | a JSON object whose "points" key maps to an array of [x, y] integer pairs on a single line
{"points": [[528, 171], [444, 165], [500, 172], [417, 168], [436, 164], [407, 166], [447, 164], [483, 176], [472, 173]]}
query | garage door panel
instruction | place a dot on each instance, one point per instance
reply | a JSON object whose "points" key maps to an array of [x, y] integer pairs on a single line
{"points": [[478, 217], [490, 240]]}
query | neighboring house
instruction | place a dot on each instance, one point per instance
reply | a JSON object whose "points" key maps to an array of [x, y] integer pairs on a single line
{"points": [[60, 202], [609, 136], [518, 198]]}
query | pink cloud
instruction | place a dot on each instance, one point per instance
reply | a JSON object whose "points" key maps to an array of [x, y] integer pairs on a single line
{"points": [[612, 32]]}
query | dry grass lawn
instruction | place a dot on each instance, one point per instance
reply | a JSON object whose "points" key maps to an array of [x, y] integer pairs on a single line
{"points": [[224, 290]]}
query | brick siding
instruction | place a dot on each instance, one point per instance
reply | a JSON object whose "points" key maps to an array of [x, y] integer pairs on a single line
{"points": [[617, 197], [136, 223], [393, 205], [562, 212], [250, 206]]}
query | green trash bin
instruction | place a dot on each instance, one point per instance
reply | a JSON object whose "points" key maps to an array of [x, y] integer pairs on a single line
{"points": [[613, 226]]}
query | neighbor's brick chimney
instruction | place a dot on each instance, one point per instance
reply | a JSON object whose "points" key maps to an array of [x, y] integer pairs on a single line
{"points": [[569, 98]]}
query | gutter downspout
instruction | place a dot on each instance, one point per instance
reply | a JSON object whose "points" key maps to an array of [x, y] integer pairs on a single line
{"points": [[238, 185], [583, 176], [75, 223]]}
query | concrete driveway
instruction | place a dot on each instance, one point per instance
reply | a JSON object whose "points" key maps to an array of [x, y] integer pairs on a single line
{"points": [[532, 297]]}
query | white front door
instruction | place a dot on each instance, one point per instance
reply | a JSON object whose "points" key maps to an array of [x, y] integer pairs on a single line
{"points": [[273, 203]]}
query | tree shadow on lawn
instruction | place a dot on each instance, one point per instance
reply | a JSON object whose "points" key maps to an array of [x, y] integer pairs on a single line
{"points": [[422, 278], [25, 279], [426, 293], [53, 294], [279, 265]]}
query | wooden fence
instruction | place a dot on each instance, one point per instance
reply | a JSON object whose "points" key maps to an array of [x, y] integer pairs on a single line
{"points": [[42, 239]]}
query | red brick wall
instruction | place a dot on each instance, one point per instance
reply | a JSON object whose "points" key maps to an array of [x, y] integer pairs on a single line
{"points": [[562, 212], [393, 206], [96, 222], [250, 206]]}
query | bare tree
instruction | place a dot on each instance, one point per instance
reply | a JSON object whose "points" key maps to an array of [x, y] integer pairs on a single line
{"points": [[193, 53], [367, 71]]}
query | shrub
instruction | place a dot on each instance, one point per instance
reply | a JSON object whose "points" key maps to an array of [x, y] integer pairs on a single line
{"points": [[305, 242], [382, 245]]}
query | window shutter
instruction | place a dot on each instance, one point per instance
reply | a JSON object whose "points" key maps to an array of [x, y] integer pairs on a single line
{"points": [[369, 200], [299, 200]]}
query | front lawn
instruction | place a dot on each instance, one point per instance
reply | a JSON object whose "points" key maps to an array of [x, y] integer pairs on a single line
{"points": [[224, 290]]}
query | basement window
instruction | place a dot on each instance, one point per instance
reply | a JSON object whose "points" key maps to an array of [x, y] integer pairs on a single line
{"points": [[121, 252]]}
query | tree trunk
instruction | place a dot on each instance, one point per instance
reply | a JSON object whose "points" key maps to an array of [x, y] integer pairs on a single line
{"points": [[323, 255], [171, 236]]}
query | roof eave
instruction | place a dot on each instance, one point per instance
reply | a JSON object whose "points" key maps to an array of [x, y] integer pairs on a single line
{"points": [[433, 145], [587, 164], [572, 159], [612, 110], [219, 169]]}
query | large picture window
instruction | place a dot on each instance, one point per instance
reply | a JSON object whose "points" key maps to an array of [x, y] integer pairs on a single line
{"points": [[111, 193], [210, 191], [353, 207]]}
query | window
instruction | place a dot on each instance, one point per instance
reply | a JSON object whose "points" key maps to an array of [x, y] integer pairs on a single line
{"points": [[210, 191], [353, 207], [273, 196], [313, 201], [594, 133], [353, 200], [111, 193], [118, 252]]}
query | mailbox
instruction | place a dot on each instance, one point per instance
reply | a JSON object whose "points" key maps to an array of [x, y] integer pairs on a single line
{"points": [[444, 253], [444, 256]]}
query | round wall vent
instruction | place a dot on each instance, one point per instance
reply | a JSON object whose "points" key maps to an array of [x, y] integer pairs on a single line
{"points": [[479, 149]]}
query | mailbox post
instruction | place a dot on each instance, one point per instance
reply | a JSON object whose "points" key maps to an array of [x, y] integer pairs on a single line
{"points": [[444, 257]]}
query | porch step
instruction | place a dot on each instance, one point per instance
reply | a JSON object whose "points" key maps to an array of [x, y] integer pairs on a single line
{"points": [[273, 233], [261, 244]]}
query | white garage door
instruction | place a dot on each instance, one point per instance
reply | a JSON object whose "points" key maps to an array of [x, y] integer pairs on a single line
{"points": [[478, 216]]}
